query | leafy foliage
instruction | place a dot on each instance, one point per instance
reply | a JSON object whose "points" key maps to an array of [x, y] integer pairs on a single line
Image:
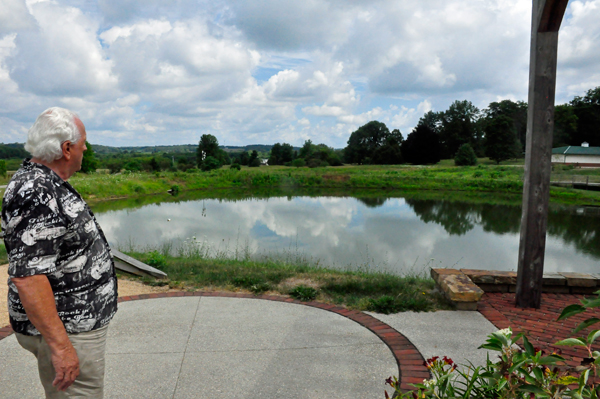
{"points": [[303, 293], [422, 146], [281, 154], [465, 156], [459, 125], [89, 163], [501, 139], [208, 147], [373, 143], [210, 163], [518, 373]]}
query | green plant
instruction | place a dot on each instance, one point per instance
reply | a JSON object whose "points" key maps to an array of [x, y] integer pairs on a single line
{"points": [[210, 163], [303, 293], [465, 156], [174, 189], [259, 288], [384, 304], [235, 166], [299, 162], [156, 259], [519, 373]]}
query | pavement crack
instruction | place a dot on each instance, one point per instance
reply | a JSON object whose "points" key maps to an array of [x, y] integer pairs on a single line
{"points": [[185, 349], [288, 349]]}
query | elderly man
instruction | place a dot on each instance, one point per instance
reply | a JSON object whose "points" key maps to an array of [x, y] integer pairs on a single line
{"points": [[62, 283]]}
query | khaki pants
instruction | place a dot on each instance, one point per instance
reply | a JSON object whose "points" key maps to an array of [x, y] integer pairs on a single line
{"points": [[90, 348]]}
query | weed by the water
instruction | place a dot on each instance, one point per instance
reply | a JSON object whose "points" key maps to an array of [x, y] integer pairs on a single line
{"points": [[300, 277], [304, 293], [156, 259]]}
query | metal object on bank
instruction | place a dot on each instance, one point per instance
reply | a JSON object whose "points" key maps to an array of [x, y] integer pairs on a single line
{"points": [[134, 266]]}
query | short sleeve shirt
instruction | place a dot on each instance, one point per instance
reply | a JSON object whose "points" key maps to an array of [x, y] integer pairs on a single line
{"points": [[49, 229]]}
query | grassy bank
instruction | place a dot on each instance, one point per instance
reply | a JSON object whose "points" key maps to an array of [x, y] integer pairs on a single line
{"points": [[375, 291], [478, 179], [294, 275]]}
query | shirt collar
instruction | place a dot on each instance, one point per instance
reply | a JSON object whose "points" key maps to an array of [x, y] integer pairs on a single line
{"points": [[30, 166]]}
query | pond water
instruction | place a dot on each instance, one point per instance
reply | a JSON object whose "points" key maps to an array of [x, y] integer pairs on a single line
{"points": [[386, 232]]}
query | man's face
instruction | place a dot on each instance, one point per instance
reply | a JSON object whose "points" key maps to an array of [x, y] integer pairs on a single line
{"points": [[78, 148]]}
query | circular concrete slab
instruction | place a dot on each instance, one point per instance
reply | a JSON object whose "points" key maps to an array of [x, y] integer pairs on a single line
{"points": [[206, 347]]}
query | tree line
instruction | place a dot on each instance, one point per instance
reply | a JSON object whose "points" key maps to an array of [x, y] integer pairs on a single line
{"points": [[464, 132]]}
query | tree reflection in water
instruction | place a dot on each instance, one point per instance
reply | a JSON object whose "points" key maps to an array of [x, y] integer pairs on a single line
{"points": [[579, 227]]}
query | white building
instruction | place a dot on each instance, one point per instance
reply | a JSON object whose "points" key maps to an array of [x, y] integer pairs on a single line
{"points": [[575, 155]]}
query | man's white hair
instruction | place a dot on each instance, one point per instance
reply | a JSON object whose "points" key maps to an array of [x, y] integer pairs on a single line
{"points": [[53, 127]]}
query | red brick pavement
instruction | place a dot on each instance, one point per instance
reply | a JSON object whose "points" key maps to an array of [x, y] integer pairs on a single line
{"points": [[409, 359], [540, 325]]}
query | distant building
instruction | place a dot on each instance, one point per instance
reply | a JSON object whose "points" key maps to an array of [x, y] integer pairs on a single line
{"points": [[575, 155]]}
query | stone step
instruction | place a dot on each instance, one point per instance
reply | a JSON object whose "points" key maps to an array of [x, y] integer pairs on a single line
{"points": [[458, 288]]}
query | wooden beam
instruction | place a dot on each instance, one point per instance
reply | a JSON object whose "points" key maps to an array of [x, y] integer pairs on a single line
{"points": [[551, 15], [546, 19]]}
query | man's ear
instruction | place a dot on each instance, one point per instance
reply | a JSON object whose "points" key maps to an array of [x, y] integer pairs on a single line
{"points": [[66, 150]]}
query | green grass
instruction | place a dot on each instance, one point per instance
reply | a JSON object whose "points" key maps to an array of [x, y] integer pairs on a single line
{"points": [[481, 179], [195, 268], [3, 254]]}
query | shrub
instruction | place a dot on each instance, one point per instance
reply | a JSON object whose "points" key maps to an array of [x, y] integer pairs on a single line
{"points": [[255, 163], [133, 166], [304, 293], [235, 166], [385, 304], [298, 162], [465, 156], [156, 259], [518, 373], [314, 163], [210, 163]]}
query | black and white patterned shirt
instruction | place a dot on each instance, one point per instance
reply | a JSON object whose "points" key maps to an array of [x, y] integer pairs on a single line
{"points": [[49, 229]]}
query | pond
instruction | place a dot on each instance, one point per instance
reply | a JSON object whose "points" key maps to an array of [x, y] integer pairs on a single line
{"points": [[378, 231]]}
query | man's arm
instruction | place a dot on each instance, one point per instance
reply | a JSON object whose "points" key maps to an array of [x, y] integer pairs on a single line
{"points": [[38, 300]]}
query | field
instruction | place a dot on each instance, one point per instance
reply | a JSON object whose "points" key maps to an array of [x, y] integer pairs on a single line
{"points": [[505, 179]]}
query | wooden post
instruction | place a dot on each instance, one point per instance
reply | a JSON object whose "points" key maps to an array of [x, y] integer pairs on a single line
{"points": [[546, 19]]}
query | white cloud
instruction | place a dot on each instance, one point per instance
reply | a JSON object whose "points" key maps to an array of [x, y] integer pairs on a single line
{"points": [[324, 110], [264, 71], [61, 56], [14, 16]]}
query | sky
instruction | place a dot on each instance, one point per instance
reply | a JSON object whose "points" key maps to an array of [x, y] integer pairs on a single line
{"points": [[151, 72]]}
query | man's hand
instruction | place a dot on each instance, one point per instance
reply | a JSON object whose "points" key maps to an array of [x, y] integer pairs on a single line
{"points": [[66, 366], [38, 300]]}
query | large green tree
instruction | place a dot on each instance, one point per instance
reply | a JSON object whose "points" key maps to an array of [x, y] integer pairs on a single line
{"points": [[587, 111], [516, 111], [501, 139], [281, 154], [422, 146], [374, 143], [208, 147], [565, 126], [459, 125], [89, 163]]}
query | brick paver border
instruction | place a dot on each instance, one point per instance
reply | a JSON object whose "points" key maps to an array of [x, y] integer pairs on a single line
{"points": [[541, 325], [408, 358]]}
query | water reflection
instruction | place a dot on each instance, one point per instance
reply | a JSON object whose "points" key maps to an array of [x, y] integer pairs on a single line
{"points": [[389, 232]]}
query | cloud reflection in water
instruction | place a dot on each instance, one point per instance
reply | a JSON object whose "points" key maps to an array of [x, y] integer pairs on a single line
{"points": [[395, 234]]}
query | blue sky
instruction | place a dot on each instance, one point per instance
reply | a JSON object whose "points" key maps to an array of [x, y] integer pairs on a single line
{"points": [[264, 71]]}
